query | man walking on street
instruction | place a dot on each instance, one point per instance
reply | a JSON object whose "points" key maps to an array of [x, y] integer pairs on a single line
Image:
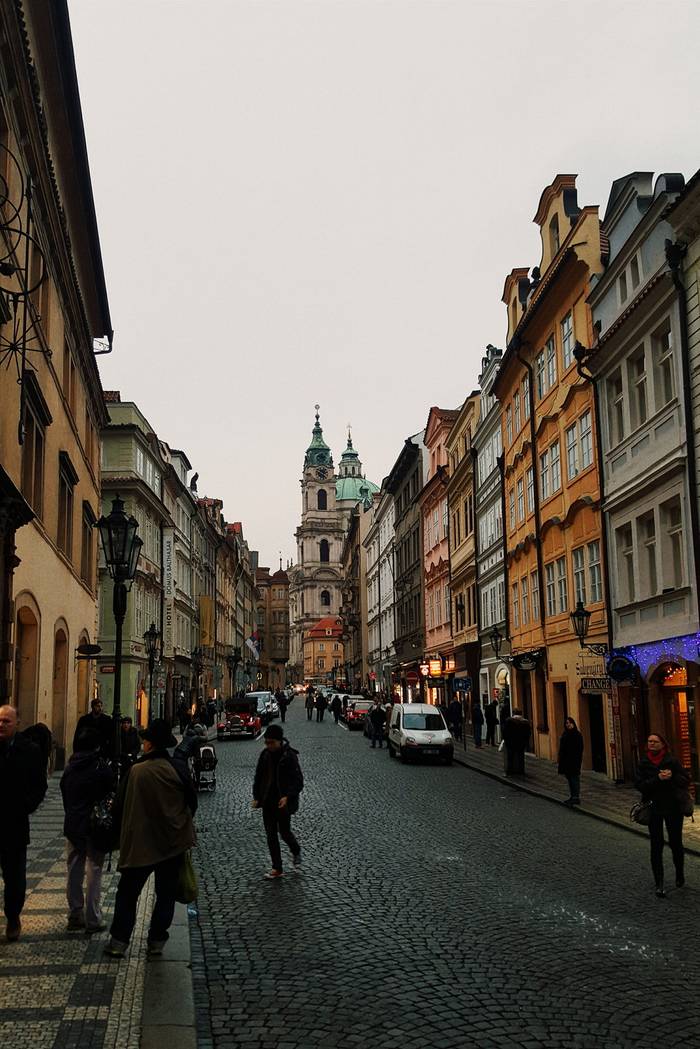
{"points": [[320, 706], [491, 716], [282, 703], [516, 736], [157, 803], [336, 707], [101, 723], [276, 788], [309, 703], [377, 717], [22, 788]]}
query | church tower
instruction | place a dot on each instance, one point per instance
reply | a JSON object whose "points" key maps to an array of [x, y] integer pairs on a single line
{"points": [[315, 580]]}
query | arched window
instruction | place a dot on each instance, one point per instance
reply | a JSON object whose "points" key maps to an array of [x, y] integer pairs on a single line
{"points": [[322, 499], [353, 471], [324, 550], [325, 597]]}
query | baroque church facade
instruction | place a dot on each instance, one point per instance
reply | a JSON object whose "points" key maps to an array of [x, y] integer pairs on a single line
{"points": [[327, 501]]}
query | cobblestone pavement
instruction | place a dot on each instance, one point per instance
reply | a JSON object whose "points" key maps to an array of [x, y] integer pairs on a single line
{"points": [[600, 797], [58, 991], [437, 908]]}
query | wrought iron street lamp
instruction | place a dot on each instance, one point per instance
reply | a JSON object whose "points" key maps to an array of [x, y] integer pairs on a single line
{"points": [[580, 620], [152, 641], [122, 547], [496, 638], [232, 661]]}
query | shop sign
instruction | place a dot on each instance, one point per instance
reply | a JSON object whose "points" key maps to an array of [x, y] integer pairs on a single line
{"points": [[106, 669], [596, 684], [424, 669], [412, 677], [620, 668], [434, 682], [435, 667], [463, 684], [525, 661], [168, 593]]}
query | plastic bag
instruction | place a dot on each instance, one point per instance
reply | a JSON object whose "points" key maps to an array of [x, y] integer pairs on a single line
{"points": [[186, 891]]}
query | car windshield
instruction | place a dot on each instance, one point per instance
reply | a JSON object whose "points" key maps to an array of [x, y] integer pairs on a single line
{"points": [[423, 722]]}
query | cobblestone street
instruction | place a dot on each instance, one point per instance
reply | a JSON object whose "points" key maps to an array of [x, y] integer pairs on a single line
{"points": [[436, 908]]}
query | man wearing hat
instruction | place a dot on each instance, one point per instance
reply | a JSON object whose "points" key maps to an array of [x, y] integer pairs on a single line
{"points": [[276, 789], [157, 803]]}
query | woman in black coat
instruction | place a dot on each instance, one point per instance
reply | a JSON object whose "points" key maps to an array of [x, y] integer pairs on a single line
{"points": [[570, 758], [663, 781]]}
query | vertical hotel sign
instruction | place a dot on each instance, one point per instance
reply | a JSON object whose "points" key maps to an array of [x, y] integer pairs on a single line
{"points": [[168, 593]]}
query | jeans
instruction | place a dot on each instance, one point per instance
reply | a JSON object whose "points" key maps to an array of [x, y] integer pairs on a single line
{"points": [[278, 824], [309, 713], [574, 781], [131, 882], [81, 862], [13, 863], [336, 716], [319, 713], [674, 829], [377, 735]]}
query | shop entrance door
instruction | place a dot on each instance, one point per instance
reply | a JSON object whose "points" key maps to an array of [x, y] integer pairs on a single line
{"points": [[596, 726]]}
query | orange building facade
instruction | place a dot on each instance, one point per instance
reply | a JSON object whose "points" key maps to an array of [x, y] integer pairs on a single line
{"points": [[553, 521]]}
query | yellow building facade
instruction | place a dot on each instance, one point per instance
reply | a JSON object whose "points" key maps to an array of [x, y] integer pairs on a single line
{"points": [[553, 521]]}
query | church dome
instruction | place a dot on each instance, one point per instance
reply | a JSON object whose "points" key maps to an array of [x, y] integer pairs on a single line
{"points": [[318, 453], [354, 489]]}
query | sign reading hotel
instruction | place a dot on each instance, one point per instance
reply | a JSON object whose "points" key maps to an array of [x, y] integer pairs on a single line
{"points": [[168, 593]]}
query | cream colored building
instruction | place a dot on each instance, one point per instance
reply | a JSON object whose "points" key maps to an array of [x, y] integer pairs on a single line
{"points": [[50, 482]]}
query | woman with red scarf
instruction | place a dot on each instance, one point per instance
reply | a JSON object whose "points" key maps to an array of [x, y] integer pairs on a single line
{"points": [[663, 781]]}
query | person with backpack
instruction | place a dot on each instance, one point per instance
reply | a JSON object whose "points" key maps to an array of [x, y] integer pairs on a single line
{"points": [[662, 781], [156, 804], [87, 779], [276, 788]]}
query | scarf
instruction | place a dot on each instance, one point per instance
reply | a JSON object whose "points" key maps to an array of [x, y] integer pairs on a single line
{"points": [[657, 758]]}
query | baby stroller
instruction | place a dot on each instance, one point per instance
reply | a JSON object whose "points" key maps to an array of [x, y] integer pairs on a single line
{"points": [[205, 762]]}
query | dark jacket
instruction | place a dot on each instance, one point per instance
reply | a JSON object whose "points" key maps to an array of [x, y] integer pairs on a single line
{"points": [[321, 701], [570, 752], [477, 715], [377, 715], [86, 780], [504, 713], [454, 713], [491, 712], [516, 733], [278, 775], [667, 795], [131, 744], [22, 788], [156, 805], [336, 704], [103, 726]]}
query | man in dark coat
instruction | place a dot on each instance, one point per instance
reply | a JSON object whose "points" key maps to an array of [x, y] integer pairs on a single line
{"points": [[336, 707], [377, 719], [101, 723], [276, 788], [454, 717], [321, 704], [156, 803], [22, 788], [570, 758], [491, 716], [86, 780], [282, 703], [516, 737], [131, 744]]}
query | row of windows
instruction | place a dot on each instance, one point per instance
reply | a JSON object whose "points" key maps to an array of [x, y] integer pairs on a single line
{"points": [[493, 603], [650, 554], [408, 551], [322, 646], [579, 456], [408, 493], [463, 521], [490, 526], [643, 383], [435, 524], [546, 371], [465, 608], [437, 602], [587, 586], [409, 616], [488, 457]]}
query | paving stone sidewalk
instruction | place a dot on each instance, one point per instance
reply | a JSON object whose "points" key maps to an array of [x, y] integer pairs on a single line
{"points": [[58, 990], [600, 798]]}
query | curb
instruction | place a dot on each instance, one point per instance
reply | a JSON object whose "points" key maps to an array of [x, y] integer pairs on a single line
{"points": [[581, 810], [168, 1016]]}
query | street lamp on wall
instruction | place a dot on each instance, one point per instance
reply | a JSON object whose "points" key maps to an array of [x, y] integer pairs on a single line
{"points": [[152, 641], [580, 621], [122, 547], [496, 638]]}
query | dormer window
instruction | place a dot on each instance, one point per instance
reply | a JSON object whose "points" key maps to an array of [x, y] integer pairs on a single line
{"points": [[554, 235]]}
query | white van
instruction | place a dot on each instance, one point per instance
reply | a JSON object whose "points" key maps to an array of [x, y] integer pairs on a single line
{"points": [[417, 729]]}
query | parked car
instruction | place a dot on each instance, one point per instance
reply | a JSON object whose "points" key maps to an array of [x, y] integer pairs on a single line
{"points": [[242, 717], [267, 704], [354, 716], [418, 730]]}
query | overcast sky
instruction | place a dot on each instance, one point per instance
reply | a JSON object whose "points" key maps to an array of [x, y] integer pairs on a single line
{"points": [[319, 201]]}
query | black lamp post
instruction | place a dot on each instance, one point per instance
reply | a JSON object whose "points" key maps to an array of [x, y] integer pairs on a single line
{"points": [[122, 547], [496, 638], [152, 641], [197, 666], [232, 661], [580, 621]]}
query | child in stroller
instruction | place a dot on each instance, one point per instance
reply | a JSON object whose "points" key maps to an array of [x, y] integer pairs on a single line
{"points": [[200, 755]]}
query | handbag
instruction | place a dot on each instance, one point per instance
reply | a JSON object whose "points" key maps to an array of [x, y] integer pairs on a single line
{"points": [[687, 803], [186, 891], [641, 813]]}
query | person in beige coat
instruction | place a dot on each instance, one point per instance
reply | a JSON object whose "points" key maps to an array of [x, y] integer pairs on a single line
{"points": [[156, 802]]}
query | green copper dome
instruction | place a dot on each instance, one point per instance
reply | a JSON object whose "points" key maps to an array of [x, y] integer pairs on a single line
{"points": [[318, 453], [354, 489]]}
